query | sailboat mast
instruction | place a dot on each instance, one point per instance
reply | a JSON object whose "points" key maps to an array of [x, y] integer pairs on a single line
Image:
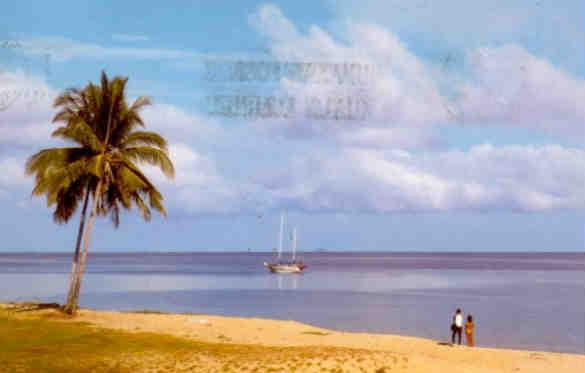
{"points": [[294, 246], [280, 236]]}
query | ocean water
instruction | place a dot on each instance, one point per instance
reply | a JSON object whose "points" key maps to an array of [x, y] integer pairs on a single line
{"points": [[530, 301]]}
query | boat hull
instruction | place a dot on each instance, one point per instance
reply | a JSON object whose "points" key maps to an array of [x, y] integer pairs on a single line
{"points": [[285, 267]]}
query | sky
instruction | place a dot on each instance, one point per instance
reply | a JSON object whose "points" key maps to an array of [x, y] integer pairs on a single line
{"points": [[384, 126]]}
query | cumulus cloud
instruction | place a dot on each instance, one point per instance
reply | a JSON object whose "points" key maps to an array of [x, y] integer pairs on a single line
{"points": [[372, 137], [26, 112], [504, 86], [25, 116], [199, 188], [401, 94], [517, 178], [25, 109], [512, 87], [524, 178], [176, 124], [271, 22]]}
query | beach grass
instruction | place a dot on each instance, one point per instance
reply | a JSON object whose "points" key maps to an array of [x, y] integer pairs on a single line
{"points": [[42, 344]]}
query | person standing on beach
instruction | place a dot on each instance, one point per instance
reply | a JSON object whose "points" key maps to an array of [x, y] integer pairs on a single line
{"points": [[469, 326], [457, 326]]}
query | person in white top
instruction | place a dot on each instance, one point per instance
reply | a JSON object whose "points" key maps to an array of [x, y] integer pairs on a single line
{"points": [[457, 326]]}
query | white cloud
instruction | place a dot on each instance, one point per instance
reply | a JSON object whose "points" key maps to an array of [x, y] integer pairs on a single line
{"points": [[192, 168], [12, 172], [522, 178], [402, 96], [175, 124], [360, 177], [385, 137], [507, 86], [352, 180], [512, 87], [270, 22], [25, 109], [12, 177], [504, 86], [199, 188], [26, 113]]}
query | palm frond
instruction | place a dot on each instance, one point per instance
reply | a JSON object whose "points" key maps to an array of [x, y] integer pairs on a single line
{"points": [[81, 133], [53, 157], [139, 138], [153, 156]]}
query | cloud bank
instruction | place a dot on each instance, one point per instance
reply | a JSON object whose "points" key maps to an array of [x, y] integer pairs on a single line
{"points": [[388, 163], [502, 86]]}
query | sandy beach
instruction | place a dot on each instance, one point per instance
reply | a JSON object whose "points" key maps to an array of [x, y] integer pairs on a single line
{"points": [[260, 345]]}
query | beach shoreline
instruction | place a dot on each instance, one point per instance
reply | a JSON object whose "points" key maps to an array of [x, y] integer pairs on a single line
{"points": [[348, 351]]}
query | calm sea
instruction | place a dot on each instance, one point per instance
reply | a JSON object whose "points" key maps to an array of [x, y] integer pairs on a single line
{"points": [[529, 300]]}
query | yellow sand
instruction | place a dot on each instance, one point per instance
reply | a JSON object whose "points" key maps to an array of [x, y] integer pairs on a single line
{"points": [[395, 353]]}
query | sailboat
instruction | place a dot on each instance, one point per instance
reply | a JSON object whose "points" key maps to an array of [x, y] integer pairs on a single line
{"points": [[281, 266]]}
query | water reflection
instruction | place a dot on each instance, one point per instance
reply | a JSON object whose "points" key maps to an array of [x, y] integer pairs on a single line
{"points": [[287, 281]]}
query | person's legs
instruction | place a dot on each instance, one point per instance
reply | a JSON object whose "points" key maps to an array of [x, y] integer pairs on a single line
{"points": [[459, 335], [453, 331]]}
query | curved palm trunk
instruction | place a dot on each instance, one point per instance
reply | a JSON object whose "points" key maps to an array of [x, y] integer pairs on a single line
{"points": [[74, 278], [80, 268], [87, 234]]}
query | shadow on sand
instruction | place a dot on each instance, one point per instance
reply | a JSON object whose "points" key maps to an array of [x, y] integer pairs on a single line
{"points": [[32, 306]]}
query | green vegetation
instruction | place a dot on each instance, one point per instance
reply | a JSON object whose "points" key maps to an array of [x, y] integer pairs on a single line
{"points": [[44, 345]]}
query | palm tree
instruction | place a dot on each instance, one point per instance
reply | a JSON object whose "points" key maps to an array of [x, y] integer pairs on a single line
{"points": [[102, 166]]}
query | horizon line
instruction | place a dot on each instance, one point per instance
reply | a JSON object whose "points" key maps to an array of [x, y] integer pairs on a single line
{"points": [[316, 251]]}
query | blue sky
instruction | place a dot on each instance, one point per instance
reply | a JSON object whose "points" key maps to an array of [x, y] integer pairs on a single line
{"points": [[474, 139]]}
